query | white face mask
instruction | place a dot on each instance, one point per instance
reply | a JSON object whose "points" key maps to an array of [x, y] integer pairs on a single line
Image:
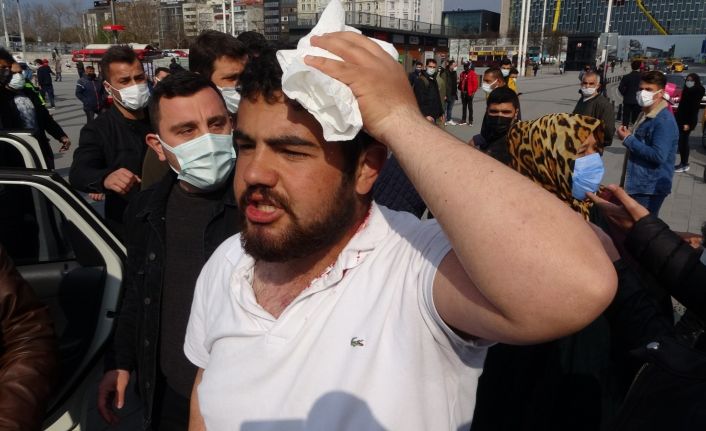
{"points": [[232, 98], [689, 84], [134, 97], [588, 91], [488, 87], [505, 72], [645, 98], [431, 71], [205, 161], [17, 82]]}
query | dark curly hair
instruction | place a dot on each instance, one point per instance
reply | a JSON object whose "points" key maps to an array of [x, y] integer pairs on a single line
{"points": [[263, 77]]}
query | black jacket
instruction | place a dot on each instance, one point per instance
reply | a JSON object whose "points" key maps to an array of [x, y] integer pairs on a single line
{"points": [[427, 93], [44, 74], [629, 86], [671, 260], [11, 119], [136, 339], [451, 85], [91, 93], [394, 190], [689, 105], [106, 144], [599, 107]]}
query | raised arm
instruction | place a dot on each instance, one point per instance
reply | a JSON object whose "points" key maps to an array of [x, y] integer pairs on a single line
{"points": [[196, 422], [524, 266]]}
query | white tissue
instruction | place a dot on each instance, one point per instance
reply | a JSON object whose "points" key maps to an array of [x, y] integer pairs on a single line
{"points": [[330, 101]]}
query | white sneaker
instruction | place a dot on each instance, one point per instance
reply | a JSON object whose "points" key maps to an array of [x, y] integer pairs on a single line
{"points": [[463, 123], [451, 123]]}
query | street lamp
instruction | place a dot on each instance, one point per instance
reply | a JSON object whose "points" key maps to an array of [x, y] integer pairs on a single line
{"points": [[4, 24], [22, 33]]}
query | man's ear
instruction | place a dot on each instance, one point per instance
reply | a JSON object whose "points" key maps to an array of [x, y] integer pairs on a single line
{"points": [[153, 142], [369, 167]]}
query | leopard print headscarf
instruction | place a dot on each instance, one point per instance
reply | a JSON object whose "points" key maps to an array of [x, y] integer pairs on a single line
{"points": [[544, 150]]}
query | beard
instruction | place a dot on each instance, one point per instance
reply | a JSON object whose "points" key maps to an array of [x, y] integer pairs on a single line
{"points": [[298, 239]]}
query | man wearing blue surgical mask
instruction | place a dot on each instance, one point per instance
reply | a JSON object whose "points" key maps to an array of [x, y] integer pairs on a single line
{"points": [[172, 229], [111, 148]]}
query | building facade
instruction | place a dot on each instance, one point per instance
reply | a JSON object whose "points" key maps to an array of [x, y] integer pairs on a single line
{"points": [[588, 16], [472, 22], [428, 11]]}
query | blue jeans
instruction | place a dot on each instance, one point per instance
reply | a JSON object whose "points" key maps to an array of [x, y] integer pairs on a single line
{"points": [[449, 108], [652, 202]]}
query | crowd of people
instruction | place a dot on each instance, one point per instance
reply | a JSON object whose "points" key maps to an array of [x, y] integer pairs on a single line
{"points": [[277, 280]]}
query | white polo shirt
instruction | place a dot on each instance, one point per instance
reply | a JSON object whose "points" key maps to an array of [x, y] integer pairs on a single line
{"points": [[362, 348]]}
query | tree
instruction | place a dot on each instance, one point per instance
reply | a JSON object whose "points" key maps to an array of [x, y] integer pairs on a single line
{"points": [[141, 20], [554, 43]]}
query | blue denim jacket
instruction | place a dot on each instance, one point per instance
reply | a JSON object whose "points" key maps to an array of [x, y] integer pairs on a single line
{"points": [[653, 148]]}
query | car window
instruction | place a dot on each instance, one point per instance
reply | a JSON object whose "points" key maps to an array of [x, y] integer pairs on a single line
{"points": [[61, 265], [31, 227]]}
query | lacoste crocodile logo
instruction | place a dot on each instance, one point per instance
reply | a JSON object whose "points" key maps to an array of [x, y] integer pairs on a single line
{"points": [[357, 342]]}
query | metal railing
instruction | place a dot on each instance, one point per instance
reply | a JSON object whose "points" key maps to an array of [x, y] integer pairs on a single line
{"points": [[308, 20]]}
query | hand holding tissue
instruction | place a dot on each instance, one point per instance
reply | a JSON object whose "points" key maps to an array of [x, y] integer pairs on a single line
{"points": [[330, 101]]}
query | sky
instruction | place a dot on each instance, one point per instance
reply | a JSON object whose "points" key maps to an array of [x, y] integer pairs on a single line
{"points": [[492, 5]]}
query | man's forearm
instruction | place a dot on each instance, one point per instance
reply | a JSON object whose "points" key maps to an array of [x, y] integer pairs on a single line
{"points": [[196, 422]]}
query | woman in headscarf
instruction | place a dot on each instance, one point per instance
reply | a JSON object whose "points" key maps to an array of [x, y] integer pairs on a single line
{"points": [[577, 382], [547, 149]]}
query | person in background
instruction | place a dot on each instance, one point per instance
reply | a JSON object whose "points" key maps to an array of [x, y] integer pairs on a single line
{"points": [[91, 93], [628, 88], [44, 82], [159, 74], [492, 79], [502, 110], [594, 104], [57, 69], [586, 68], [80, 69], [29, 364], [451, 91], [651, 144], [112, 147], [426, 91], [221, 58], [175, 66], [416, 73], [687, 117], [535, 68], [23, 109], [468, 84]]}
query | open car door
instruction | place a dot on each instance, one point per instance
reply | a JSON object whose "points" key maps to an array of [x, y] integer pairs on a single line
{"points": [[74, 264], [20, 149]]}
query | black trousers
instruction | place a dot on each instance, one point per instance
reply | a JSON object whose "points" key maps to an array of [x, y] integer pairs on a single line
{"points": [[630, 113], [684, 145], [466, 105], [171, 410]]}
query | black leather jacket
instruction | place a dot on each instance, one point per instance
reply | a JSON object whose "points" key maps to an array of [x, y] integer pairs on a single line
{"points": [[135, 342]]}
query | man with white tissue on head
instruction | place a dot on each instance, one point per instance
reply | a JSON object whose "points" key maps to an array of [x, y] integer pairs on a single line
{"points": [[330, 312]]}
